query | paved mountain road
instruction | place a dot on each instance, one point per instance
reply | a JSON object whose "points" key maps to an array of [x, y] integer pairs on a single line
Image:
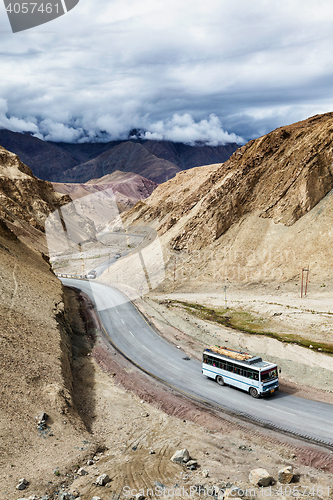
{"points": [[132, 335]]}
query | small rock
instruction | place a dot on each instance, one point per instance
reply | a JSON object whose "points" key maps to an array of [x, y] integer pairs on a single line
{"points": [[82, 472], [22, 484], [45, 497], [90, 462], [285, 475], [65, 495], [33, 497], [139, 496], [220, 493], [42, 417], [160, 485], [205, 473], [311, 346], [102, 480], [151, 452], [244, 447], [260, 477], [181, 456], [144, 414], [191, 464], [96, 498]]}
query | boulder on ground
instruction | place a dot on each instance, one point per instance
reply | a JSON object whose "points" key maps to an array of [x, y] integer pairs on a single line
{"points": [[181, 456], [286, 475], [260, 477], [22, 484], [102, 480], [82, 472]]}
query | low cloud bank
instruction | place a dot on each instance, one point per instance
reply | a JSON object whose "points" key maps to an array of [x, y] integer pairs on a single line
{"points": [[179, 128]]}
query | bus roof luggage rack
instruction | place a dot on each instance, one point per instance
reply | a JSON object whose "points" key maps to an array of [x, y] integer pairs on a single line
{"points": [[232, 353]]}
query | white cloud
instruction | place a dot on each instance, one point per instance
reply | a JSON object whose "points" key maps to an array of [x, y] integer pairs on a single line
{"points": [[110, 66], [13, 123], [183, 128]]}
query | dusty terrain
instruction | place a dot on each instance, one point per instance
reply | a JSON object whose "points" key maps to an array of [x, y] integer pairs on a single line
{"points": [[142, 423], [35, 370]]}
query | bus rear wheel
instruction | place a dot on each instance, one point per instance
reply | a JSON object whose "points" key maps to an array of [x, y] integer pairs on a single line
{"points": [[220, 380], [254, 393]]}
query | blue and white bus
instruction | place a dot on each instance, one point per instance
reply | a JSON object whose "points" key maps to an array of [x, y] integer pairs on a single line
{"points": [[239, 369]]}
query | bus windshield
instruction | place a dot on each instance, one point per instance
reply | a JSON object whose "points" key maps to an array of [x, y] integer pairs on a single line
{"points": [[269, 375]]}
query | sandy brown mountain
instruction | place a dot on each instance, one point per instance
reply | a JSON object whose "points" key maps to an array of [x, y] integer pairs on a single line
{"points": [[26, 202], [253, 201], [127, 188], [127, 157], [35, 348]]}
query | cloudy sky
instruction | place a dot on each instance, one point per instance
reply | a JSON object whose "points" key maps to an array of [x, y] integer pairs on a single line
{"points": [[214, 71]]}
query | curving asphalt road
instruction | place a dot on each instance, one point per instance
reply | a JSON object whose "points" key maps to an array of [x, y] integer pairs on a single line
{"points": [[132, 335]]}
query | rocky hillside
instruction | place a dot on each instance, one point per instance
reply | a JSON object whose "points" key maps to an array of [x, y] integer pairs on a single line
{"points": [[127, 157], [126, 187], [43, 158], [260, 203], [35, 352], [26, 202]]}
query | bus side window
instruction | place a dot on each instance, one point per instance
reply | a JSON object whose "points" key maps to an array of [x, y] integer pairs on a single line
{"points": [[256, 376]]}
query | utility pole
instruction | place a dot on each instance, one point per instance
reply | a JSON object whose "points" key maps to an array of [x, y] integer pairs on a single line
{"points": [[174, 269], [225, 297], [306, 281]]}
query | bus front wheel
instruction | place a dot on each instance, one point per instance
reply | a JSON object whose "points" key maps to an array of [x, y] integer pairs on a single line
{"points": [[254, 393], [220, 380]]}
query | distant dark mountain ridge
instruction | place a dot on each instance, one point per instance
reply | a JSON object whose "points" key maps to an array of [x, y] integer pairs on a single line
{"points": [[66, 162]]}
